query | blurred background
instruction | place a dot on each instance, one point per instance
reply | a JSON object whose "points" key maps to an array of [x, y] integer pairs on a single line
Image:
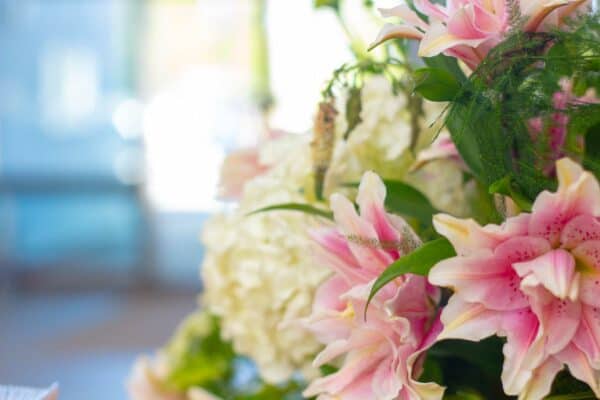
{"points": [[115, 116]]}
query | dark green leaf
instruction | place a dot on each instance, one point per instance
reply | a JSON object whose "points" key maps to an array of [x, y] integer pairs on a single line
{"points": [[408, 201], [436, 84], [505, 187], [404, 199], [449, 64], [566, 387], [574, 396], [353, 110], [305, 208], [328, 369], [419, 262]]}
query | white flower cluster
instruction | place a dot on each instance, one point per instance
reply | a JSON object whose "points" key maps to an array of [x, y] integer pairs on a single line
{"points": [[381, 143], [258, 273]]}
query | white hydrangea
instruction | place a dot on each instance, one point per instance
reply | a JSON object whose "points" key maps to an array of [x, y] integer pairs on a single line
{"points": [[381, 143], [258, 271]]}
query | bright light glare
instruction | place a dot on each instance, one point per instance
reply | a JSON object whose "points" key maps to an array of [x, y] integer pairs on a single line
{"points": [[182, 126], [127, 118]]}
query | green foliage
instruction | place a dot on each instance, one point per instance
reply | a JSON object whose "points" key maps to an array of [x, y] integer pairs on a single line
{"points": [[448, 64], [406, 200], [335, 4], [436, 84], [327, 369], [506, 187], [469, 370], [565, 387], [488, 119], [419, 262], [197, 355], [262, 391], [305, 208]]}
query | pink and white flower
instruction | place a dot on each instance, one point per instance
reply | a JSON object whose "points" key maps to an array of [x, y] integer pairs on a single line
{"points": [[535, 280], [553, 129], [442, 148], [242, 165], [382, 353], [468, 29]]}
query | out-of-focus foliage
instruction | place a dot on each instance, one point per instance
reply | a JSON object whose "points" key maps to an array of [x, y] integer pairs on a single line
{"points": [[198, 357]]}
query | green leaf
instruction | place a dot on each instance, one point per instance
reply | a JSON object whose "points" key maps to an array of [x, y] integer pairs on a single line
{"points": [[436, 84], [419, 262], [446, 63], [574, 396], [408, 201], [404, 199], [335, 4], [305, 208], [328, 369], [353, 110], [505, 186]]}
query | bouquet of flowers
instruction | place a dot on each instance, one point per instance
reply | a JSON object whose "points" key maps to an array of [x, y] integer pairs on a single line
{"points": [[436, 235]]}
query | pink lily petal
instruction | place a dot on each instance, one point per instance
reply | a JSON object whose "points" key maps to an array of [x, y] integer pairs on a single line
{"points": [[541, 380], [487, 21], [469, 321], [335, 252], [580, 367], [580, 229], [357, 362], [442, 148], [462, 24], [588, 260], [438, 39], [538, 10], [391, 31], [362, 237], [523, 350], [404, 12], [555, 271], [408, 300], [468, 236], [370, 199], [428, 8], [578, 193], [495, 287], [587, 337]]}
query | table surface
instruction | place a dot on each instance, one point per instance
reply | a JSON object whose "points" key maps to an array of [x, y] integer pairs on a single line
{"points": [[87, 342]]}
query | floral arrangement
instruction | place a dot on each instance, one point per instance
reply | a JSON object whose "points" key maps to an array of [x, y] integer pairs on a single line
{"points": [[435, 236]]}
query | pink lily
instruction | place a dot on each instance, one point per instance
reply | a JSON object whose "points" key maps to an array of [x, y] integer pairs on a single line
{"points": [[554, 129], [442, 148], [382, 353], [469, 29], [534, 280], [242, 165]]}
